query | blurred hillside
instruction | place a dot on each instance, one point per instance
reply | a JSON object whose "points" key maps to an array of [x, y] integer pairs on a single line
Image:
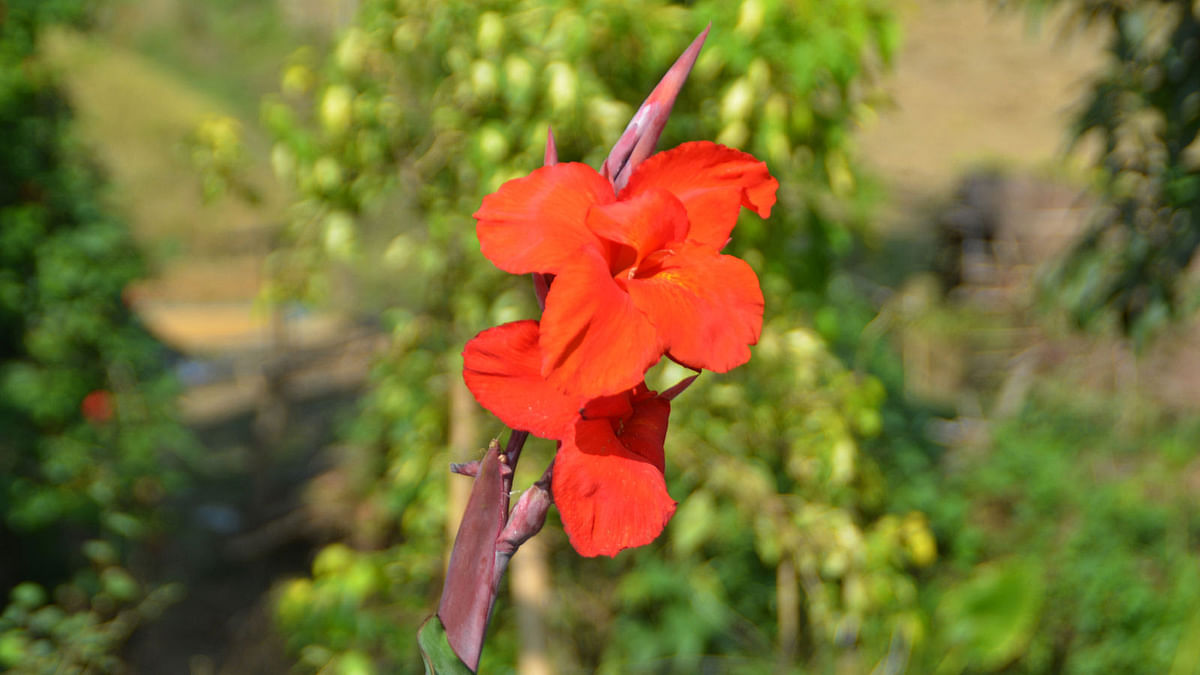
{"points": [[979, 86]]}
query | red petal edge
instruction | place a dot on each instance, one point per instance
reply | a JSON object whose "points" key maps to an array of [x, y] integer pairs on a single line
{"points": [[713, 182], [502, 368], [537, 223]]}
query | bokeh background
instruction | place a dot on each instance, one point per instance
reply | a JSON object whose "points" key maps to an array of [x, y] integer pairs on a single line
{"points": [[237, 267]]}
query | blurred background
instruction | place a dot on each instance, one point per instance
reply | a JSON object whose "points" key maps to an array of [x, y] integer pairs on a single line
{"points": [[238, 266]]}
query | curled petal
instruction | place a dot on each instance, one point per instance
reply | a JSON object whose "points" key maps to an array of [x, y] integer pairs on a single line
{"points": [[706, 307], [502, 368], [618, 406], [645, 431], [594, 341], [537, 223], [644, 223], [609, 486], [713, 182]]}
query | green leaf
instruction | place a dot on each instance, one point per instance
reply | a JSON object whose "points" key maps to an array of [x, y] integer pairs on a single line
{"points": [[436, 652], [992, 615], [120, 584], [28, 595], [13, 646], [1187, 654]]}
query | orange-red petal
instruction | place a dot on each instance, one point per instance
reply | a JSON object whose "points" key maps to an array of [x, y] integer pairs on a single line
{"points": [[502, 368], [594, 341], [609, 486], [646, 222], [713, 182], [537, 223], [707, 307]]}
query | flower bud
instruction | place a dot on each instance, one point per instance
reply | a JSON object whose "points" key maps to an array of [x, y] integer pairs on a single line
{"points": [[339, 235], [327, 173], [737, 102], [295, 599], [405, 37], [297, 80], [841, 462], [563, 87], [333, 560], [776, 145], [775, 110], [750, 18], [490, 34], [918, 540], [841, 179], [389, 112], [493, 145], [336, 108], [351, 52], [399, 253], [518, 79], [119, 584], [278, 117], [220, 135], [759, 74], [854, 594], [709, 63], [802, 120], [483, 79], [734, 135]]}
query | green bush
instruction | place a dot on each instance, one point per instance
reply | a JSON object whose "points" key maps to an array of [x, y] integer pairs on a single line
{"points": [[1065, 546], [90, 447], [1133, 267]]}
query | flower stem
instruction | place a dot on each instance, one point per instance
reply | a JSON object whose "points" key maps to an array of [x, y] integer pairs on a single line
{"points": [[487, 538]]}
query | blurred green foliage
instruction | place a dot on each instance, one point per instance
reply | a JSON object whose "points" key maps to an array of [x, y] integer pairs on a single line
{"points": [[819, 530], [391, 142], [1068, 544], [82, 629], [89, 446], [421, 110], [1144, 109]]}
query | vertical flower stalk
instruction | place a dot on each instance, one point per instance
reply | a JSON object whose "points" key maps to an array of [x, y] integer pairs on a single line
{"points": [[627, 267]]}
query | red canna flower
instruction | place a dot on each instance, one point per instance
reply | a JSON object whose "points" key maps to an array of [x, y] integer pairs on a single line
{"points": [[97, 406], [639, 273], [609, 483], [608, 479]]}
